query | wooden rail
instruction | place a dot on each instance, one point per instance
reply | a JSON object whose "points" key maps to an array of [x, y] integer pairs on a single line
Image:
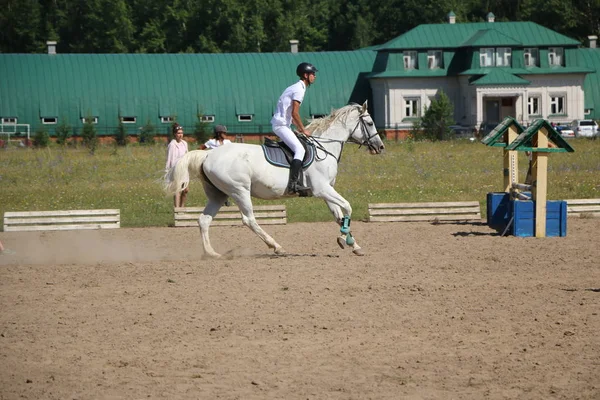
{"points": [[61, 220], [583, 207], [264, 214], [444, 211]]}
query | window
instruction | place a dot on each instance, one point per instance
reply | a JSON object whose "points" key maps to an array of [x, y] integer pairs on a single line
{"points": [[49, 120], [531, 57], [165, 120], [245, 117], [533, 106], [9, 120], [503, 57], [94, 119], [555, 56], [486, 57], [411, 108], [557, 105], [410, 60], [128, 120], [434, 59], [208, 118]]}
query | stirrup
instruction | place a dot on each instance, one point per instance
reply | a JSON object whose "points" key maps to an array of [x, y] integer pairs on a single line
{"points": [[298, 189]]}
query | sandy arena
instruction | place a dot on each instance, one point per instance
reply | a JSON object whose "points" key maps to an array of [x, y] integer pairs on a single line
{"points": [[447, 311]]}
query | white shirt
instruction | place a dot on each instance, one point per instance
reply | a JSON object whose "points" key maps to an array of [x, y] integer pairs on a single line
{"points": [[283, 114], [214, 143]]}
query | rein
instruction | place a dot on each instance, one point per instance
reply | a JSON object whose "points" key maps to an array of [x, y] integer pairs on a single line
{"points": [[365, 142]]}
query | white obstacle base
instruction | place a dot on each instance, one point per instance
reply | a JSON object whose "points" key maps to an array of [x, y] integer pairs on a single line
{"points": [[444, 211], [583, 207], [61, 220], [264, 214]]}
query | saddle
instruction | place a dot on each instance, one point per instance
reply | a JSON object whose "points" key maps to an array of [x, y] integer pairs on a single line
{"points": [[279, 154]]}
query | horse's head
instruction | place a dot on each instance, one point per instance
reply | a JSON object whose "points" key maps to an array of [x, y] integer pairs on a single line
{"points": [[365, 132]]}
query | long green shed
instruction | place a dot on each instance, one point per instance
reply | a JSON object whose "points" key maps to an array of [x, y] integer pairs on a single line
{"points": [[238, 90]]}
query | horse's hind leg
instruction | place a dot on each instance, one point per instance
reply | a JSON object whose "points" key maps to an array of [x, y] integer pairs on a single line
{"points": [[244, 203], [216, 199]]}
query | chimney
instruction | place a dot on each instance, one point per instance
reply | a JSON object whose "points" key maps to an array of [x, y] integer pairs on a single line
{"points": [[451, 17], [592, 41], [490, 17], [51, 47], [294, 46]]}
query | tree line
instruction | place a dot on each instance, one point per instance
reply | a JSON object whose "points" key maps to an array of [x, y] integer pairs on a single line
{"points": [[227, 26]]}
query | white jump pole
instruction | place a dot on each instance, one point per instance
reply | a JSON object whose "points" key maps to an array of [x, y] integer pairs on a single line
{"points": [[521, 186]]}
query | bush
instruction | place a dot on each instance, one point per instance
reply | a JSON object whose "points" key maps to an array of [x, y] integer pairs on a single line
{"points": [[147, 133], [121, 135], [41, 138], [63, 132], [437, 119], [201, 130], [416, 131], [89, 135]]}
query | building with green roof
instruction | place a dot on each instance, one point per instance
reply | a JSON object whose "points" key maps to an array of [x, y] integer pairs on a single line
{"points": [[489, 70], [237, 90]]}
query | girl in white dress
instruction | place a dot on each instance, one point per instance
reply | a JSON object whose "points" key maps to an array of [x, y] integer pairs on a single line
{"points": [[176, 149]]}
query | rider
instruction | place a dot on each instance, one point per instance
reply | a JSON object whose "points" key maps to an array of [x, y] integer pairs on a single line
{"points": [[288, 111]]}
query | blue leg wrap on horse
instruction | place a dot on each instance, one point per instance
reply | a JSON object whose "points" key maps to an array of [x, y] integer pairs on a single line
{"points": [[345, 225]]}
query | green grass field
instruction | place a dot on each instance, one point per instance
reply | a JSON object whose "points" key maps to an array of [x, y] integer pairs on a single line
{"points": [[128, 178]]}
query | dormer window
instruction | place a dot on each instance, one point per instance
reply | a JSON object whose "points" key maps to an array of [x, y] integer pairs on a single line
{"points": [[486, 57], [410, 60], [434, 59], [503, 57], [531, 57], [555, 56]]}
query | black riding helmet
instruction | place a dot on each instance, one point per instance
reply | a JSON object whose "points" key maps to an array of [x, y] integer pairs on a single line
{"points": [[305, 68]]}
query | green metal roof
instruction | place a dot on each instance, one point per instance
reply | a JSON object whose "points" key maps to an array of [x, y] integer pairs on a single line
{"points": [[500, 77], [413, 73], [529, 71], [148, 86], [438, 36], [490, 38], [524, 142], [496, 138]]}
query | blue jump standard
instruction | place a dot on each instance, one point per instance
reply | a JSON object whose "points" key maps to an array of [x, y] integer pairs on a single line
{"points": [[519, 216]]}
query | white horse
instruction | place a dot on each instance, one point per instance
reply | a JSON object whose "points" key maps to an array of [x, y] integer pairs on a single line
{"points": [[241, 171]]}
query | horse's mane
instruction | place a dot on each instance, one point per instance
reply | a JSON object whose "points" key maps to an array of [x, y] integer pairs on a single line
{"points": [[318, 126]]}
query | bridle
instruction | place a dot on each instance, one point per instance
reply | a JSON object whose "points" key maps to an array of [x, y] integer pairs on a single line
{"points": [[365, 142], [366, 136]]}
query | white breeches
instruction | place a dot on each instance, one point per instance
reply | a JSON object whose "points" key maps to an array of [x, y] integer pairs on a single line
{"points": [[291, 140]]}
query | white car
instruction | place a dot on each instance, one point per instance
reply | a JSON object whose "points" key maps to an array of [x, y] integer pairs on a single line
{"points": [[584, 127], [565, 131]]}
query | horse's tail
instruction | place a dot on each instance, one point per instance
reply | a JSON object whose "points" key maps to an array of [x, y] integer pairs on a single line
{"points": [[177, 178]]}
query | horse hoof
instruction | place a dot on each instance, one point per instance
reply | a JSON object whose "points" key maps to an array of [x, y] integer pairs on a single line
{"points": [[280, 251], [358, 252], [341, 242]]}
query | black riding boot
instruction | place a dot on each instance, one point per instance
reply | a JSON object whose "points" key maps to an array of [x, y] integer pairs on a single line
{"points": [[293, 185]]}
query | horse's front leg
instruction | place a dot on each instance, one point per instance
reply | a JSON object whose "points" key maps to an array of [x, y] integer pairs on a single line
{"points": [[342, 211]]}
